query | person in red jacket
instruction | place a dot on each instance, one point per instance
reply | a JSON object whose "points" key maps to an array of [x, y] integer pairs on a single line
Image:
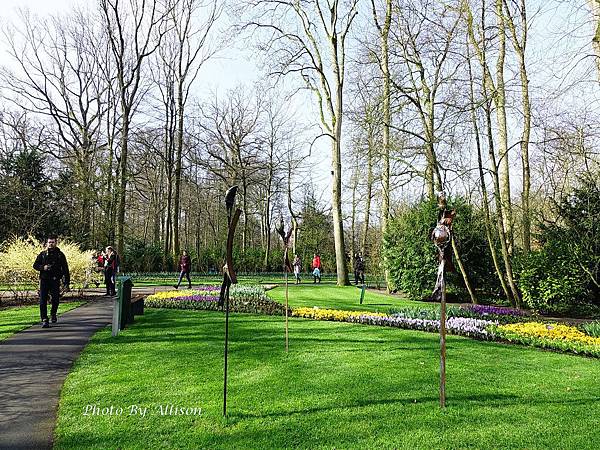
{"points": [[316, 266], [185, 266]]}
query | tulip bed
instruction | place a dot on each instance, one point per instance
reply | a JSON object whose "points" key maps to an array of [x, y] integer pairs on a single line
{"points": [[244, 299], [483, 322], [463, 326], [550, 336]]}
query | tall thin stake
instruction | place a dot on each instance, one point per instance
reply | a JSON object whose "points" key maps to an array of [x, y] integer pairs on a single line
{"points": [[286, 311], [226, 348], [443, 337]]}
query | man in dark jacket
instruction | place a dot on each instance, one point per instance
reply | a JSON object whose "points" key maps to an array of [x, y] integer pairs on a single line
{"points": [[185, 266], [52, 266]]}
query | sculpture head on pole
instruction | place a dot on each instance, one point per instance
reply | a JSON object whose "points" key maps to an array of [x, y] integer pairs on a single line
{"points": [[230, 200]]}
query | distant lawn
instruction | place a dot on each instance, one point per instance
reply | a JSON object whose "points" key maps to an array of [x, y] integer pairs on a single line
{"points": [[347, 297], [341, 386], [18, 318]]}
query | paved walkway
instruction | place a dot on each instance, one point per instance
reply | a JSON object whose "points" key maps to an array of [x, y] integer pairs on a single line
{"points": [[33, 366]]}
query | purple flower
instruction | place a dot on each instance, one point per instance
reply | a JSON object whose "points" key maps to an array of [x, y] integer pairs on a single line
{"points": [[475, 328], [498, 310], [197, 298]]}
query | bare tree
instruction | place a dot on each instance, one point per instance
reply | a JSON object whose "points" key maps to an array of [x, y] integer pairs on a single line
{"points": [[192, 50], [383, 27], [229, 132], [135, 29], [59, 78], [308, 38], [520, 44]]}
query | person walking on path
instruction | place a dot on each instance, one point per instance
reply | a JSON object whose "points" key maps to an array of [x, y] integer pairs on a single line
{"points": [[53, 267], [110, 266], [117, 267], [185, 266], [316, 265], [297, 264], [359, 269]]}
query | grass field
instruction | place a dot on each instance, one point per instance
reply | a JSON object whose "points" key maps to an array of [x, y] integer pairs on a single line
{"points": [[341, 386], [16, 319], [347, 297]]}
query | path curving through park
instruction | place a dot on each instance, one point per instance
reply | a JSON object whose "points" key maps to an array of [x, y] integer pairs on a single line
{"points": [[33, 366]]}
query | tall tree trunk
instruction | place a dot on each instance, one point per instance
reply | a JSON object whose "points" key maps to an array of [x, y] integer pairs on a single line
{"points": [[336, 197], [123, 184], [384, 66], [500, 100], [369, 193], [486, 205], [515, 298], [178, 163], [267, 218], [353, 214], [520, 46]]}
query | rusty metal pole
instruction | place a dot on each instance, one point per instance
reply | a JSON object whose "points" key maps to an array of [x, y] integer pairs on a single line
{"points": [[226, 348], [442, 238], [229, 278], [286, 312], [443, 338], [285, 237]]}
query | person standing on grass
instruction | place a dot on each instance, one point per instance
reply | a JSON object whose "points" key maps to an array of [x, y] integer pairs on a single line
{"points": [[359, 269], [53, 267], [185, 266], [297, 264], [110, 267], [316, 265]]}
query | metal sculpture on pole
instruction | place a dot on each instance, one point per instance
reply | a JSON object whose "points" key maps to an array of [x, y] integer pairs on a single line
{"points": [[229, 277], [442, 238], [287, 268]]}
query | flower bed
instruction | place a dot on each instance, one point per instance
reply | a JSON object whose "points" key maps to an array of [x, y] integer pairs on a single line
{"points": [[245, 299], [551, 336], [481, 312], [474, 328]]}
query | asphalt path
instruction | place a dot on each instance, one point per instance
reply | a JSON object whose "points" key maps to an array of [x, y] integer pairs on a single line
{"points": [[33, 366]]}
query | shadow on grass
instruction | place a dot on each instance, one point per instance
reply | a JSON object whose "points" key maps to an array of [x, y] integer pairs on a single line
{"points": [[452, 401]]}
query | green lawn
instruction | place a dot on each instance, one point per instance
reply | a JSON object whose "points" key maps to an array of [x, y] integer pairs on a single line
{"points": [[347, 297], [18, 318], [341, 386]]}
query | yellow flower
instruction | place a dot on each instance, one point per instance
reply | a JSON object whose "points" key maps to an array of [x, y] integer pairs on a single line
{"points": [[173, 294], [556, 332], [337, 315]]}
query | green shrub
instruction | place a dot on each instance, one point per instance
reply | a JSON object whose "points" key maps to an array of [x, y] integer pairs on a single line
{"points": [[411, 258], [562, 276]]}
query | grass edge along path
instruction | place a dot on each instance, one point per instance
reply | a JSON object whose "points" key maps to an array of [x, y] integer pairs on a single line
{"points": [[18, 318], [341, 385]]}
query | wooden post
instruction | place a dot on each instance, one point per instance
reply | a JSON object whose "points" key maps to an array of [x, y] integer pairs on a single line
{"points": [[362, 293], [226, 348], [443, 337], [285, 237], [286, 311], [229, 278]]}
